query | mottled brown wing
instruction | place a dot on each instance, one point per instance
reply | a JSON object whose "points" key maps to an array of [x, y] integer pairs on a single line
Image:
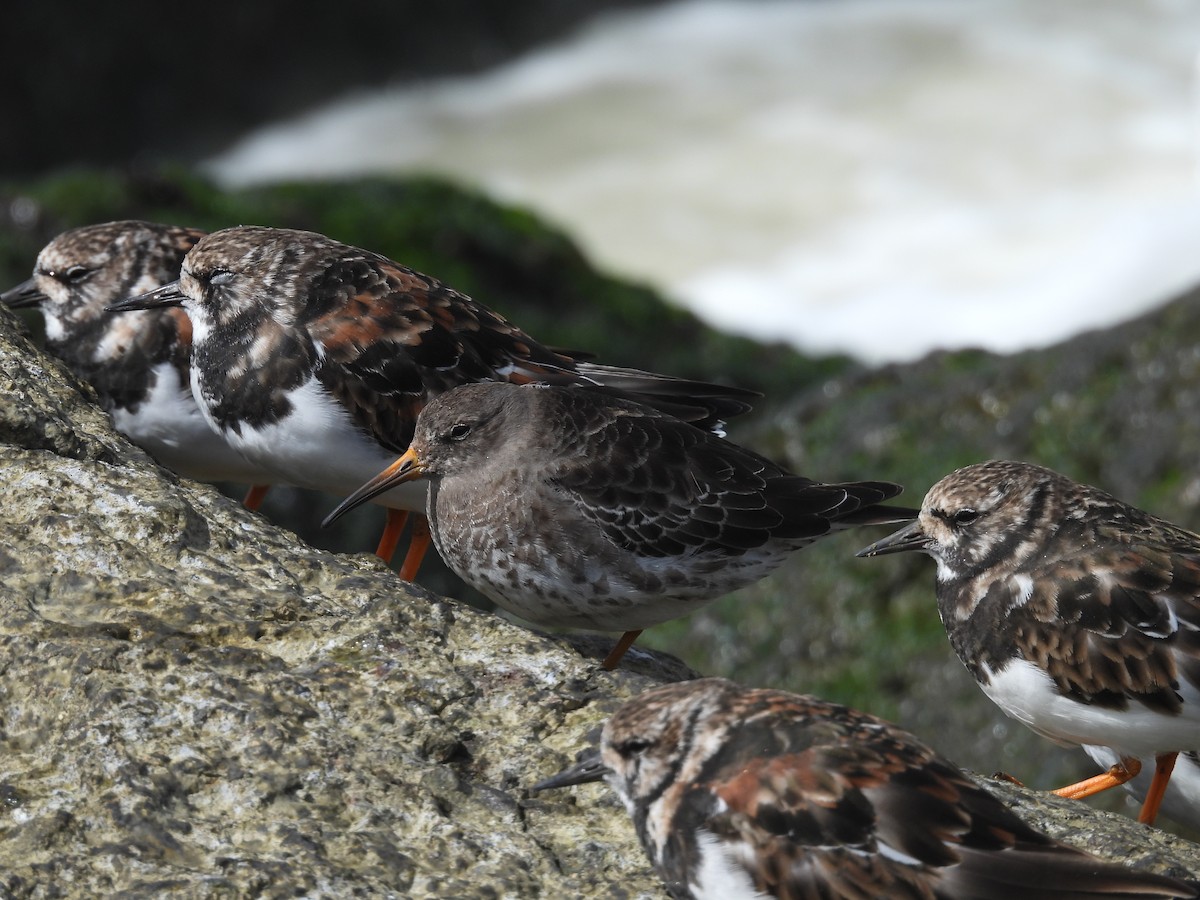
{"points": [[181, 239], [1117, 623], [397, 337], [825, 801], [661, 487], [797, 793]]}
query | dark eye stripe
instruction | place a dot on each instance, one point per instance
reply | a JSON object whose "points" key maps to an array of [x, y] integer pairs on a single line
{"points": [[683, 751], [1014, 536]]}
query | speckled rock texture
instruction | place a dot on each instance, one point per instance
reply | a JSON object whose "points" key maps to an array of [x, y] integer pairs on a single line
{"points": [[194, 703]]}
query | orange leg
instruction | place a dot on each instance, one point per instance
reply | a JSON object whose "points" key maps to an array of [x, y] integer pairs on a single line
{"points": [[614, 658], [1164, 764], [254, 496], [391, 534], [416, 549], [1119, 774]]}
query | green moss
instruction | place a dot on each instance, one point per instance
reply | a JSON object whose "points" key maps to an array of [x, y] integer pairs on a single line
{"points": [[1165, 491]]}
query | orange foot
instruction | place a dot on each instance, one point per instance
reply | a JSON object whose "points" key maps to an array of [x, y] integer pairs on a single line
{"points": [[1121, 772]]}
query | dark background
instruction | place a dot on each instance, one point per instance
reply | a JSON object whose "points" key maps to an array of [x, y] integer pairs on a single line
{"points": [[130, 84]]}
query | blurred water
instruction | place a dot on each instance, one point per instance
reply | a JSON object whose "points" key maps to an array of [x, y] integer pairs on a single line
{"points": [[877, 176]]}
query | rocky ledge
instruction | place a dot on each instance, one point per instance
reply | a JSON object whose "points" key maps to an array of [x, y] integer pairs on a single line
{"points": [[195, 703]]}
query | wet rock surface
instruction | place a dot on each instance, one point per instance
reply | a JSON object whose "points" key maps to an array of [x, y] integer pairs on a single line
{"points": [[195, 703]]}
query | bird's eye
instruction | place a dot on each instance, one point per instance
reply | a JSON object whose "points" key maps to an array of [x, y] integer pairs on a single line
{"points": [[77, 273], [220, 276], [459, 432], [964, 516], [632, 747]]}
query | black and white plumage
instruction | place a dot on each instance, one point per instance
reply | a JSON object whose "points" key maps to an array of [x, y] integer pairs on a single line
{"points": [[571, 508], [741, 793], [1078, 614], [138, 364], [313, 357]]}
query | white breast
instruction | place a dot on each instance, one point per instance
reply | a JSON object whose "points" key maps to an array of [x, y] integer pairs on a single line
{"points": [[720, 876], [170, 427], [1027, 694], [318, 446]]}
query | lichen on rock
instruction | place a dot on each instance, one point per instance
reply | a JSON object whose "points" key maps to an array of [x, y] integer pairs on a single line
{"points": [[194, 702]]}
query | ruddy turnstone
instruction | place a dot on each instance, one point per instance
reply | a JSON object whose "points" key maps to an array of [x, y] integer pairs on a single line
{"points": [[1078, 614], [137, 364], [744, 793], [313, 357], [571, 508]]}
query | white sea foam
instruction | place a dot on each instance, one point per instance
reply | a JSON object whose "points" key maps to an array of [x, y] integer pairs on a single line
{"points": [[877, 176]]}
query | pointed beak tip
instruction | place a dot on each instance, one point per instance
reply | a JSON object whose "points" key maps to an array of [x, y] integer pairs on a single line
{"points": [[342, 508], [406, 468], [131, 304], [910, 537], [546, 784], [586, 772], [24, 296], [167, 295]]}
